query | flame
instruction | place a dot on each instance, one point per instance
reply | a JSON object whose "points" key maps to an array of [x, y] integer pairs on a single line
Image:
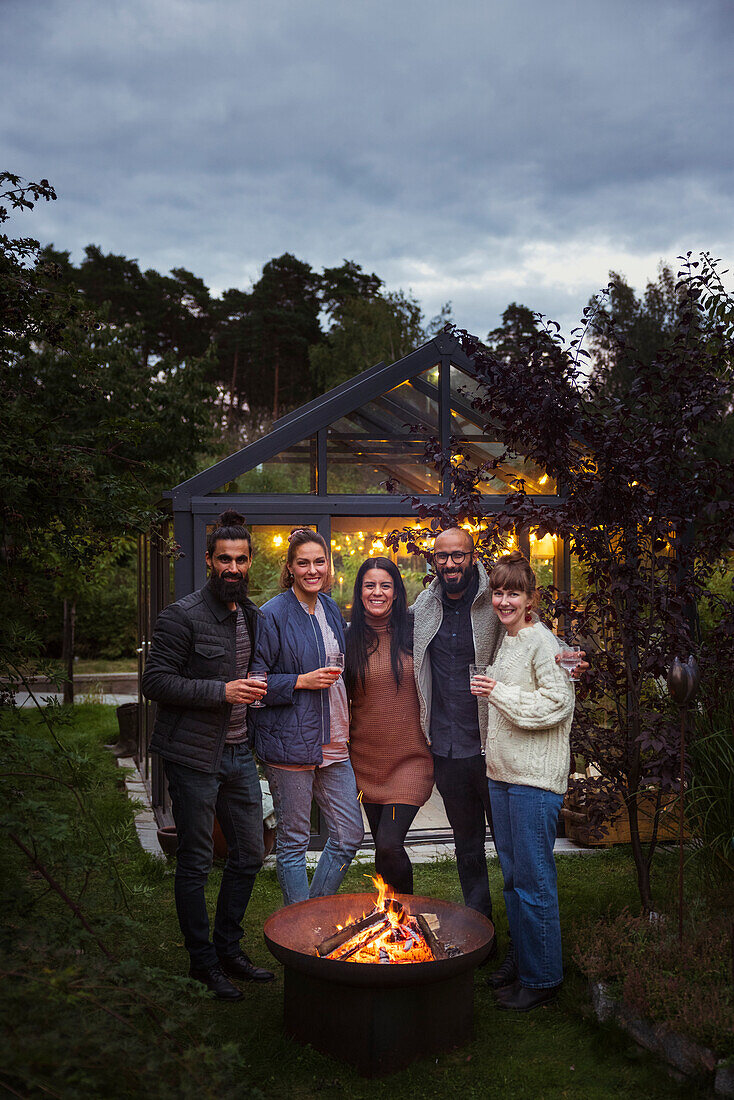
{"points": [[400, 941], [382, 888]]}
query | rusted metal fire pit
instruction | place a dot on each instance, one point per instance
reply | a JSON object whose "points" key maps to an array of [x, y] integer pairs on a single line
{"points": [[377, 1017]]}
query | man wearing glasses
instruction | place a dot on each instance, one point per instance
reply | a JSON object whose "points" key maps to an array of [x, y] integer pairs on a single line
{"points": [[455, 626]]}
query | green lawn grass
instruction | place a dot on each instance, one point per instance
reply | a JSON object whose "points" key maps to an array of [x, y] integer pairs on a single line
{"points": [[555, 1051], [98, 667]]}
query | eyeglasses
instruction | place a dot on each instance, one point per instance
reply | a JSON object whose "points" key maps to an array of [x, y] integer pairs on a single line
{"points": [[457, 557]]}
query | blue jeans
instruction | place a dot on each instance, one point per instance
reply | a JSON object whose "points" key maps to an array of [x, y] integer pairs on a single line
{"points": [[335, 790], [524, 823], [233, 793]]}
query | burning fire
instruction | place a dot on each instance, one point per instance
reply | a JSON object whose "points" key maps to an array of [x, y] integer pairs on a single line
{"points": [[387, 934]]}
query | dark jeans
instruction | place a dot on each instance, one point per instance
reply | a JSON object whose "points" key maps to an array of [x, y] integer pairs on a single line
{"points": [[462, 784], [388, 825], [233, 793]]}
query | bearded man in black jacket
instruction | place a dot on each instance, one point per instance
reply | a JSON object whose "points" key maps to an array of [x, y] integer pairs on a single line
{"points": [[196, 672]]}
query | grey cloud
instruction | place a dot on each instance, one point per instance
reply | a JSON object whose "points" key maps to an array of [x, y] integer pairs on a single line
{"points": [[214, 134]]}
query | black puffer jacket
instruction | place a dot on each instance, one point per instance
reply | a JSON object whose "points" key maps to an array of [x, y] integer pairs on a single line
{"points": [[190, 661]]}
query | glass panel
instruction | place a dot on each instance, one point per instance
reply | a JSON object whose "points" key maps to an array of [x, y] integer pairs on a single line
{"points": [[478, 447], [269, 542], [385, 439], [354, 538], [543, 557], [291, 471], [579, 580]]}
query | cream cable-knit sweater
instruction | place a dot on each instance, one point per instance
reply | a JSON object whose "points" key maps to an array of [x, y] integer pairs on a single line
{"points": [[530, 713]]}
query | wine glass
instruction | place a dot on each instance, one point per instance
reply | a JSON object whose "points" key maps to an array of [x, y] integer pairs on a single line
{"points": [[335, 660], [258, 676], [570, 657]]}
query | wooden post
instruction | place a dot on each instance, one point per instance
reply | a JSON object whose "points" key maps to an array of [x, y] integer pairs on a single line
{"points": [[67, 649]]}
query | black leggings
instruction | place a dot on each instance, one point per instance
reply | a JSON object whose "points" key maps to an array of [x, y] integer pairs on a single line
{"points": [[389, 825]]}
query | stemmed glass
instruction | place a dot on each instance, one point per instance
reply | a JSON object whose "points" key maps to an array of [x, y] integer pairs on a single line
{"points": [[335, 660], [258, 676], [570, 657]]}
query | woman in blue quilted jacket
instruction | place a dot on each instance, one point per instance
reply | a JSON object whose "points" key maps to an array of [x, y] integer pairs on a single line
{"points": [[301, 734]]}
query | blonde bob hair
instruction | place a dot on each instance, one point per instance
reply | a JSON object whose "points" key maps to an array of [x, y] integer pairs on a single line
{"points": [[299, 537]]}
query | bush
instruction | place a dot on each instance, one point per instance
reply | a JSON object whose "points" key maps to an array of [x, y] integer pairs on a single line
{"points": [[684, 986]]}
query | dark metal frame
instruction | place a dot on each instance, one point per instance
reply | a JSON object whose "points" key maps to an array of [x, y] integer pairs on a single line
{"points": [[195, 503]]}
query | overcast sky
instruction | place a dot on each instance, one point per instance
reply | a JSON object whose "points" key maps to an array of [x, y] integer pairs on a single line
{"points": [[483, 152]]}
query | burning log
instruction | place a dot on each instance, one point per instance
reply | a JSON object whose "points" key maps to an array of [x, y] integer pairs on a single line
{"points": [[368, 939], [436, 947], [330, 944], [389, 933]]}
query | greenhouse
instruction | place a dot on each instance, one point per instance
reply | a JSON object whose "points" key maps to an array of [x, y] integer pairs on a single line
{"points": [[328, 465]]}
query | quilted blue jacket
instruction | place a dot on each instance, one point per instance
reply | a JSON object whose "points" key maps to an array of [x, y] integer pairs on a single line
{"points": [[293, 725]]}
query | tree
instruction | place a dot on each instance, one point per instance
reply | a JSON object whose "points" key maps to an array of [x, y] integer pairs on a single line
{"points": [[282, 323], [89, 430], [519, 325], [366, 330], [626, 332], [341, 285], [646, 511]]}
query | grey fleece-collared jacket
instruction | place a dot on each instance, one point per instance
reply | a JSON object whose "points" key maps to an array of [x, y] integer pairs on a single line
{"points": [[487, 631]]}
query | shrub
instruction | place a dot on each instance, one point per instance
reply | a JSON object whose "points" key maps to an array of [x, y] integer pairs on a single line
{"points": [[684, 986]]}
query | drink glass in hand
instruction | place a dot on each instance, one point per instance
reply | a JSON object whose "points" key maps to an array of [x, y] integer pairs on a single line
{"points": [[336, 661], [258, 676], [474, 671], [570, 658]]}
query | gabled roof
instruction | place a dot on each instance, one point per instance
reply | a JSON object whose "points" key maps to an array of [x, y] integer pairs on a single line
{"points": [[305, 421]]}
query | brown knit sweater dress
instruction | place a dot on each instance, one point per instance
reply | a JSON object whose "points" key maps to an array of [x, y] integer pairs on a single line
{"points": [[389, 754]]}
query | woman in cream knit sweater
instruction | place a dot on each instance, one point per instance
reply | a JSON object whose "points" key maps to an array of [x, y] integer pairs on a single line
{"points": [[528, 754]]}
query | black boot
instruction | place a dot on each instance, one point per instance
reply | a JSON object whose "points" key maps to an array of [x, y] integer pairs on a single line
{"points": [[521, 998], [506, 972], [241, 966], [216, 982]]}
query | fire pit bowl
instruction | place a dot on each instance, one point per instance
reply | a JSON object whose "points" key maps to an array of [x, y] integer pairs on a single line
{"points": [[377, 1017]]}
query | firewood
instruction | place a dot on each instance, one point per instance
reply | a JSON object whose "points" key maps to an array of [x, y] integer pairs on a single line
{"points": [[330, 944], [435, 946], [374, 935]]}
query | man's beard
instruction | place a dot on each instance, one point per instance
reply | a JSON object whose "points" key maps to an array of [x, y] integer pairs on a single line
{"points": [[228, 591], [458, 583]]}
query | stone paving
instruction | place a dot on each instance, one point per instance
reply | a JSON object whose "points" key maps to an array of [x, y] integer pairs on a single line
{"points": [[146, 826]]}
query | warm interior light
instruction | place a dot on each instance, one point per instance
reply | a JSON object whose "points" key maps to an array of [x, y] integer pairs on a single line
{"points": [[544, 547], [378, 544], [277, 540], [542, 480]]}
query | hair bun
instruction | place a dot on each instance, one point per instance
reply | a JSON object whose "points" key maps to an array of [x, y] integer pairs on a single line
{"points": [[514, 555], [230, 518]]}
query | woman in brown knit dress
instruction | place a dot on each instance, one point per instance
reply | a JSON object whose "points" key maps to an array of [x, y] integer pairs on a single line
{"points": [[389, 754]]}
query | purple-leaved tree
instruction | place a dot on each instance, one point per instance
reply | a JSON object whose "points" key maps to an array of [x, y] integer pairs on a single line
{"points": [[646, 502]]}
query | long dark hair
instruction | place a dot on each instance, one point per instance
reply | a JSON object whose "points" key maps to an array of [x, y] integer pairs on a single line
{"points": [[362, 640]]}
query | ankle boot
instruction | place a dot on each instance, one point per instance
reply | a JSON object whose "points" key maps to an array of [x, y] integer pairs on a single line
{"points": [[506, 972]]}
